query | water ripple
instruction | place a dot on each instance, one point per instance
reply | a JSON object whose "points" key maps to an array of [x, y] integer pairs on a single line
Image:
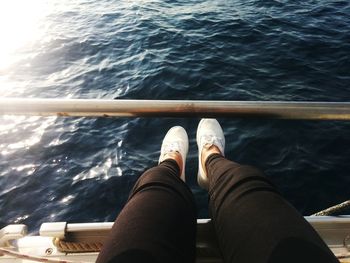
{"points": [[50, 168]]}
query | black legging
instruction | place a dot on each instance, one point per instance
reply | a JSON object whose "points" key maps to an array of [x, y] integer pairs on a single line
{"points": [[252, 221]]}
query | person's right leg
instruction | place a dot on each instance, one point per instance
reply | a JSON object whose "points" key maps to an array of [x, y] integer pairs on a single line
{"points": [[253, 222], [158, 223]]}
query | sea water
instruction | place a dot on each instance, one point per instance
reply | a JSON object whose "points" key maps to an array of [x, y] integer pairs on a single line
{"points": [[82, 169]]}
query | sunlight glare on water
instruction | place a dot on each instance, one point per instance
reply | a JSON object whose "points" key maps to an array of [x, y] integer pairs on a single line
{"points": [[31, 134], [19, 26], [82, 169]]}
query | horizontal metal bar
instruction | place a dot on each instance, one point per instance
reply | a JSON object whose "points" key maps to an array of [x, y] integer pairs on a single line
{"points": [[177, 108]]}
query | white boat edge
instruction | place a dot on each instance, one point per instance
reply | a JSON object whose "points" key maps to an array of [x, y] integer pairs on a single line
{"points": [[334, 230]]}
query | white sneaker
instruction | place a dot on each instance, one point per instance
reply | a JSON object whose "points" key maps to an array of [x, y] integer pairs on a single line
{"points": [[176, 140], [209, 132]]}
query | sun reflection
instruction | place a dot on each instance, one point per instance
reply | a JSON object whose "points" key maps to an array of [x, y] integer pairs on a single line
{"points": [[5, 152], [66, 199], [29, 168], [19, 25], [102, 171], [20, 219], [28, 131]]}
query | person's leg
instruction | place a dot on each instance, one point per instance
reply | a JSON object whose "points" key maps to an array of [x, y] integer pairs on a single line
{"points": [[158, 223], [253, 222]]}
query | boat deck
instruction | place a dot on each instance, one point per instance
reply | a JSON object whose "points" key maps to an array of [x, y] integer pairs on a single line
{"points": [[89, 237]]}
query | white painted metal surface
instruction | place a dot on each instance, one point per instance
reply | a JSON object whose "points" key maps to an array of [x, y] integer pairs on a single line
{"points": [[335, 231], [177, 108]]}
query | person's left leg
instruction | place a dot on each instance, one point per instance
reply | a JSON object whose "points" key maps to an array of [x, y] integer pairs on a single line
{"points": [[158, 223]]}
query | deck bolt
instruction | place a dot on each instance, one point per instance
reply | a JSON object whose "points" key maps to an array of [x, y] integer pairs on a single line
{"points": [[49, 251]]}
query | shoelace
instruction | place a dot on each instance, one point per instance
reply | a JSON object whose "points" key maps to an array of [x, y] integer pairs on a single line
{"points": [[210, 139], [171, 147]]}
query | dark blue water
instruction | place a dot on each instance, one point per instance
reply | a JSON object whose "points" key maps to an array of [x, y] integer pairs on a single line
{"points": [[82, 169]]}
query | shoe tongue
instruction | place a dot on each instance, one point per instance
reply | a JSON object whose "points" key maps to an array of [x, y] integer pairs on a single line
{"points": [[213, 140]]}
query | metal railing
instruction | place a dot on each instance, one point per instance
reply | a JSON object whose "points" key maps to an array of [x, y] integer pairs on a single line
{"points": [[176, 108]]}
